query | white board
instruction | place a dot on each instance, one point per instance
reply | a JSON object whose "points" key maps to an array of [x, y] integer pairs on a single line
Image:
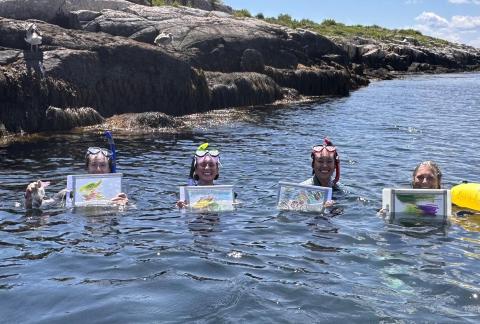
{"points": [[301, 197], [417, 202], [92, 189], [208, 198]]}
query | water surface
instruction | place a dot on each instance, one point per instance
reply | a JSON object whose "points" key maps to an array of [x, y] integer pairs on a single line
{"points": [[151, 263]]}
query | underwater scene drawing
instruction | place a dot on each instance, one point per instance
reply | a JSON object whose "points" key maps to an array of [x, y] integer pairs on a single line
{"points": [[210, 199], [96, 190], [419, 204], [90, 191], [301, 199]]}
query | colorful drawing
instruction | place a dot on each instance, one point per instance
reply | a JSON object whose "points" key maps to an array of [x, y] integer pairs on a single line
{"points": [[89, 191], [417, 202], [292, 196], [93, 189], [209, 198]]}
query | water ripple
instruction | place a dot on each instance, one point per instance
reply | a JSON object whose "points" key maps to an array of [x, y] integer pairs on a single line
{"points": [[150, 262]]}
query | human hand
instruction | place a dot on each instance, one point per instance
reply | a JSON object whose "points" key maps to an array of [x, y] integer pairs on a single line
{"points": [[121, 199], [329, 203], [35, 193], [382, 212], [182, 204]]}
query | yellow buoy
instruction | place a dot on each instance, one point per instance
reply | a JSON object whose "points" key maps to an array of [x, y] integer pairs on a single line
{"points": [[467, 195]]}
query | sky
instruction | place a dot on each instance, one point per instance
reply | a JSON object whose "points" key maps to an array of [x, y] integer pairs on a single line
{"points": [[453, 20]]}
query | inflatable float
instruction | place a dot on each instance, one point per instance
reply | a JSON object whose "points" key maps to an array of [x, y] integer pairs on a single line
{"points": [[466, 195]]}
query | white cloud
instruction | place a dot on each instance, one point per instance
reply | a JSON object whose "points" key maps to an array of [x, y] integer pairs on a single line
{"points": [[477, 2], [465, 22], [432, 19], [460, 29]]}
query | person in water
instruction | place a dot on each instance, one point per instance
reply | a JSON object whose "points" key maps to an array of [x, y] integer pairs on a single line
{"points": [[427, 175], [205, 168], [325, 161], [97, 161]]}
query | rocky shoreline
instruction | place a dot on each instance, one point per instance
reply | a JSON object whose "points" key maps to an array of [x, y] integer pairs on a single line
{"points": [[104, 58]]}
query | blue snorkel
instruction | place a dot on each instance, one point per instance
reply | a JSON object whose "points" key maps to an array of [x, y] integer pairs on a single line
{"points": [[109, 137]]}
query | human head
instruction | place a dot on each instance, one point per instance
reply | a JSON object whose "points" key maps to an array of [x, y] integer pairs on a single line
{"points": [[205, 165], [98, 160], [325, 160], [427, 175]]}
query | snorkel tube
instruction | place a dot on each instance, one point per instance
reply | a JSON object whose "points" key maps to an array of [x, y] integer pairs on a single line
{"points": [[111, 143]]}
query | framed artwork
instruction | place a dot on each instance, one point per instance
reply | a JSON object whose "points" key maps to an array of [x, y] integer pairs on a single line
{"points": [[92, 189], [208, 198], [417, 202], [294, 196]]}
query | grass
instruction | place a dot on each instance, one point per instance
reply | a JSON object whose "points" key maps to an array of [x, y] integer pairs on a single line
{"points": [[331, 28]]}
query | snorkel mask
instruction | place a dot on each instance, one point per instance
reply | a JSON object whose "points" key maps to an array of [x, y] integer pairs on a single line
{"points": [[201, 154], [109, 154], [327, 145]]}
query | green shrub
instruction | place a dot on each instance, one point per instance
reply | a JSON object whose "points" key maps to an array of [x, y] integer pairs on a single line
{"points": [[329, 22], [242, 13], [158, 2], [260, 16]]}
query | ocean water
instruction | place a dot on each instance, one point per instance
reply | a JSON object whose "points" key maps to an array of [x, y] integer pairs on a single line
{"points": [[151, 263]]}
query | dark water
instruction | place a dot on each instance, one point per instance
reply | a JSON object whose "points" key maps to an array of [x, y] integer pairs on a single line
{"points": [[153, 264]]}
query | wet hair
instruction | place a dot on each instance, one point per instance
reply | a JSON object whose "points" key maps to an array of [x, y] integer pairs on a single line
{"points": [[87, 161], [434, 167]]}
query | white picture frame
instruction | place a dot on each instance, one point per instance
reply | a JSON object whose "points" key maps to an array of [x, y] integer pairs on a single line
{"points": [[302, 197], [92, 189], [417, 202], [208, 198]]}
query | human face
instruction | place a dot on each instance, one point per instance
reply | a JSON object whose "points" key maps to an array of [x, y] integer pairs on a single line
{"points": [[98, 163], [206, 170], [425, 178], [323, 166]]}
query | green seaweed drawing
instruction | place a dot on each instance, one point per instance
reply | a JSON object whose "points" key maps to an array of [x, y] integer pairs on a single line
{"points": [[89, 191]]}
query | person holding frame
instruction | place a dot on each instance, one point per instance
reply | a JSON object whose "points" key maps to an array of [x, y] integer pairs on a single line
{"points": [[325, 161], [426, 175], [205, 168], [97, 161]]}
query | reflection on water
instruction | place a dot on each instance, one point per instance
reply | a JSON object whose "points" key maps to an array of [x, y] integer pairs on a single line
{"points": [[150, 262]]}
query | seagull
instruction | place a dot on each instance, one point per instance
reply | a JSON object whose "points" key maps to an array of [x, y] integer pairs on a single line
{"points": [[163, 39], [33, 36]]}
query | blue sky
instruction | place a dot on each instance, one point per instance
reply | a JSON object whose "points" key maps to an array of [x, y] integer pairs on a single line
{"points": [[454, 20]]}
